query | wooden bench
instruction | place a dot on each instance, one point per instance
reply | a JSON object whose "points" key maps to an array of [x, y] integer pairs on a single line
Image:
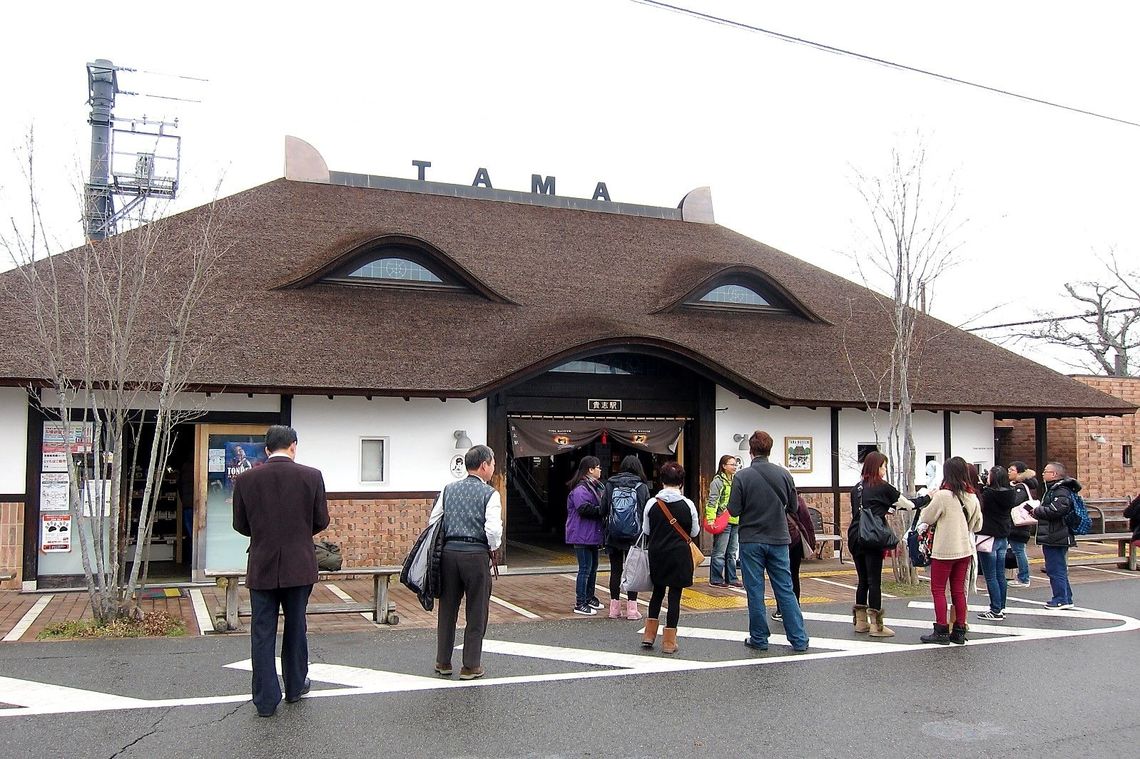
{"points": [[1124, 542], [1108, 513], [822, 537], [383, 611]]}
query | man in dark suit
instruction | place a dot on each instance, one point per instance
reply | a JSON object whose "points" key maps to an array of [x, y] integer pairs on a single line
{"points": [[280, 506]]}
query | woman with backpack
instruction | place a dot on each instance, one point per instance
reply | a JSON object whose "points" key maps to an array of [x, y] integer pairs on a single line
{"points": [[669, 517], [722, 563], [875, 495], [954, 514], [998, 500], [584, 530], [624, 502]]}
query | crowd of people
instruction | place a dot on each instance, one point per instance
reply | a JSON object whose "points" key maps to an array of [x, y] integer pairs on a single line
{"points": [[967, 517]]}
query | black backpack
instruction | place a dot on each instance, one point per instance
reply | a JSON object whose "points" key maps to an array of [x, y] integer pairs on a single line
{"points": [[624, 522]]}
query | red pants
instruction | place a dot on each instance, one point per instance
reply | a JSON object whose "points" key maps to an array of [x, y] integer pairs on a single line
{"points": [[954, 570]]}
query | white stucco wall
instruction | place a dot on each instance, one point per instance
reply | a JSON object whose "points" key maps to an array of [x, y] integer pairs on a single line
{"points": [[13, 439], [420, 444], [200, 402], [972, 436], [741, 417]]}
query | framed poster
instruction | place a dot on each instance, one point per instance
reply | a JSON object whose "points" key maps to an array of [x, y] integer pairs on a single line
{"points": [[55, 491], [55, 533], [798, 454]]}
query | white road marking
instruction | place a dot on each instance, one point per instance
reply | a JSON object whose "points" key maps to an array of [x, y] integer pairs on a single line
{"points": [[516, 609], [1074, 613], [34, 698], [336, 591], [842, 585], [1133, 575], [778, 639], [201, 613], [29, 617], [924, 624]]}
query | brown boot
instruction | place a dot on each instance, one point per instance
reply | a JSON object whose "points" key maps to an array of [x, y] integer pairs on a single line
{"points": [[859, 618], [669, 641], [878, 629], [650, 636]]}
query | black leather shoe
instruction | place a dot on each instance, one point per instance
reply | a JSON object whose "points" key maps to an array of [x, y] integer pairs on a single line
{"points": [[304, 689], [268, 713]]}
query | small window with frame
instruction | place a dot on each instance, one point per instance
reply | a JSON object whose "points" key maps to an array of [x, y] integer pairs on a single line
{"points": [[863, 449], [1126, 455], [373, 460]]}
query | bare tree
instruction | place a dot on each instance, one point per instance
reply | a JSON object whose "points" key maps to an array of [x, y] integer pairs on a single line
{"points": [[1099, 319], [908, 239], [108, 334]]}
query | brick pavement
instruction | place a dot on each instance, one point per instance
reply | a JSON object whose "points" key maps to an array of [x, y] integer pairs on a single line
{"points": [[546, 596]]}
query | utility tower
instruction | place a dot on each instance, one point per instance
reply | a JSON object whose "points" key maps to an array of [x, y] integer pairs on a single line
{"points": [[132, 159]]}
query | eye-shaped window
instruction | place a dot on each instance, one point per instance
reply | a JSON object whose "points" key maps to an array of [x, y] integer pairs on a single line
{"points": [[741, 295], [734, 295], [394, 266]]}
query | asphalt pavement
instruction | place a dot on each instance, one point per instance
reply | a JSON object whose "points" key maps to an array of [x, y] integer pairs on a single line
{"points": [[1041, 683]]}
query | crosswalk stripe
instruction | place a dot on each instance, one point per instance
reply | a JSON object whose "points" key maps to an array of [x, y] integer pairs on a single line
{"points": [[582, 655], [778, 639], [374, 680], [1071, 613], [47, 699]]}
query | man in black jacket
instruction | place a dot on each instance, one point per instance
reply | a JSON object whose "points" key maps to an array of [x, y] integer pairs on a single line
{"points": [[1053, 535], [762, 495]]}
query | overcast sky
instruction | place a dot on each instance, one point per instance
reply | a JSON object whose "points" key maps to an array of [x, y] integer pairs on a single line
{"points": [[652, 102]]}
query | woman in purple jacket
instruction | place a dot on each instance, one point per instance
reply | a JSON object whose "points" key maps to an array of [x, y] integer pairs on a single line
{"points": [[584, 530]]}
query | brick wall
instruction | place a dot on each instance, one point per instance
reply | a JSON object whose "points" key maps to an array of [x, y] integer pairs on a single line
{"points": [[11, 543], [376, 531], [1098, 466]]}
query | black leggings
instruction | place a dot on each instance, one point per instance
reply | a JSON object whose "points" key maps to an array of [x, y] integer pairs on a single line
{"points": [[869, 567], [617, 563], [673, 613], [797, 556]]}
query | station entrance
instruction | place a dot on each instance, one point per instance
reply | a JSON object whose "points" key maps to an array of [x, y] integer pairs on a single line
{"points": [[609, 406]]}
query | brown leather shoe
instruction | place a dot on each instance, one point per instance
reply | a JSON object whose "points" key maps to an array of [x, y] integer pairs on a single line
{"points": [[443, 670], [470, 674]]}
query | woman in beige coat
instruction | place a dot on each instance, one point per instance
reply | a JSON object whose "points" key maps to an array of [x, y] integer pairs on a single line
{"points": [[955, 515]]}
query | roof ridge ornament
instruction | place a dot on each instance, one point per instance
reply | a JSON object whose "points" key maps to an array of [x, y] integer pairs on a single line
{"points": [[303, 162], [697, 206]]}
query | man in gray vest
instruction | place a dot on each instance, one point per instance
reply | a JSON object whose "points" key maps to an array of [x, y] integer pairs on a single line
{"points": [[472, 528]]}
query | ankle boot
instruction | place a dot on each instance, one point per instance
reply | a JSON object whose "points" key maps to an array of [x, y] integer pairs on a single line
{"points": [[631, 611], [669, 641], [650, 636], [878, 629], [615, 609], [958, 635], [941, 635], [859, 618]]}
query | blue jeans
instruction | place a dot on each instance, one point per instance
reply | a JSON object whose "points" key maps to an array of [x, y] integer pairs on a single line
{"points": [[1057, 567], [755, 560], [993, 567], [722, 565], [1022, 561], [587, 573]]}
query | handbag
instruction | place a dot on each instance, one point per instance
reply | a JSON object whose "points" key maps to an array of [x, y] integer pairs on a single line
{"points": [[874, 533], [635, 576], [718, 525], [984, 543], [1010, 559], [694, 551]]}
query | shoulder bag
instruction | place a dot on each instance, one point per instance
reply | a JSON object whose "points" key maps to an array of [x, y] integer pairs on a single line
{"points": [[718, 525], [635, 577], [1022, 513], [698, 557], [874, 533]]}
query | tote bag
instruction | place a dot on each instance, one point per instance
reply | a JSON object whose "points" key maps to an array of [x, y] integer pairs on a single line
{"points": [[635, 574], [874, 534]]}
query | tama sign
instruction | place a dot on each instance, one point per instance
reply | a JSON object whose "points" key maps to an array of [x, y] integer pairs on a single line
{"points": [[539, 184]]}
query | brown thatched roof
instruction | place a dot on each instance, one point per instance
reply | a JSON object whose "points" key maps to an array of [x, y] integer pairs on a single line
{"points": [[549, 284]]}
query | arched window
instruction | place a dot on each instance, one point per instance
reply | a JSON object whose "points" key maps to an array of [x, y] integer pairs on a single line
{"points": [[739, 294], [395, 266], [734, 295]]}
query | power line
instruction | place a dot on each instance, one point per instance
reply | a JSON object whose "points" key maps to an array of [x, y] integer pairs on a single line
{"points": [[1052, 319], [872, 59]]}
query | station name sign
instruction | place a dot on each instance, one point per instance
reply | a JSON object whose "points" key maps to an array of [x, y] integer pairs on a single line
{"points": [[606, 404], [539, 184]]}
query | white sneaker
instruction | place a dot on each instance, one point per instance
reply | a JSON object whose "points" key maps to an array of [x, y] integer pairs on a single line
{"points": [[1016, 584]]}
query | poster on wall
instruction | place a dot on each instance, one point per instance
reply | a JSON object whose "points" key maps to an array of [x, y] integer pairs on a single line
{"points": [[57, 439], [54, 491], [55, 533], [54, 461], [798, 454]]}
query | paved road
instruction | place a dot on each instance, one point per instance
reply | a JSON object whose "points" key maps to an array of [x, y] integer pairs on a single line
{"points": [[1061, 683]]}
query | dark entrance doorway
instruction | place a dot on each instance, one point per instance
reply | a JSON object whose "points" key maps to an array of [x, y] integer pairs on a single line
{"points": [[640, 390]]}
